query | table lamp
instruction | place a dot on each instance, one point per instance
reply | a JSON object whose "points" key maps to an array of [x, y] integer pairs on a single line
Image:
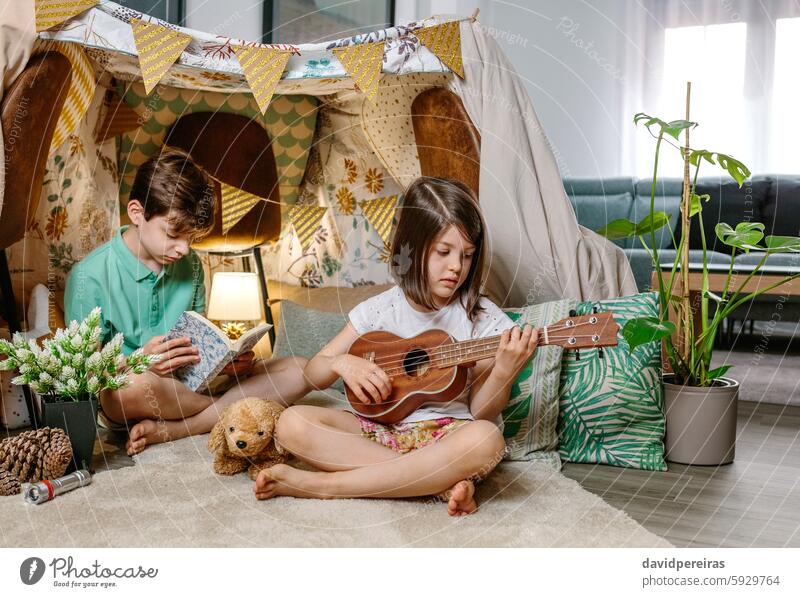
{"points": [[234, 302]]}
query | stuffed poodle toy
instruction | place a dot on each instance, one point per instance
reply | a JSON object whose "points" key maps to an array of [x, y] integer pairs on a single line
{"points": [[243, 438]]}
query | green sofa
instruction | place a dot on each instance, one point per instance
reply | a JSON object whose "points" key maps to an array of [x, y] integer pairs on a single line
{"points": [[772, 200]]}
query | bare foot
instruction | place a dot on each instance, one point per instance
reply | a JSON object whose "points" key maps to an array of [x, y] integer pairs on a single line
{"points": [[282, 479], [148, 432], [460, 498]]}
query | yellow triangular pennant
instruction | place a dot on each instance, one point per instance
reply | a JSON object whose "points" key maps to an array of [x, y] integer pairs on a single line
{"points": [[363, 63], [380, 214], [306, 219], [81, 89], [158, 49], [445, 41], [235, 205], [50, 13], [262, 68]]}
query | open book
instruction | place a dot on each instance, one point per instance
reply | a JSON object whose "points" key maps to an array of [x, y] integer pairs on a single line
{"points": [[216, 349]]}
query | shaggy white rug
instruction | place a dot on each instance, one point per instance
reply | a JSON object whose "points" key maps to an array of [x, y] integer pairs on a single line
{"points": [[172, 498]]}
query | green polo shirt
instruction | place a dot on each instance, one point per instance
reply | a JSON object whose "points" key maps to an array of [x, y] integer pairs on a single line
{"points": [[134, 299]]}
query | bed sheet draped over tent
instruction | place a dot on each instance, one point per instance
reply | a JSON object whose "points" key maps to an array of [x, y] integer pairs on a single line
{"points": [[363, 153]]}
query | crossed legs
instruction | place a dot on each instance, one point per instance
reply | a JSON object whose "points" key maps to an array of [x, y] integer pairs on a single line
{"points": [[354, 466]]}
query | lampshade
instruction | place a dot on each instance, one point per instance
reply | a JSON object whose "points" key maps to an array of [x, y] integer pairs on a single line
{"points": [[234, 297]]}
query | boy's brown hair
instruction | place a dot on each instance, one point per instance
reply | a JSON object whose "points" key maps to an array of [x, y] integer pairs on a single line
{"points": [[171, 182], [431, 205]]}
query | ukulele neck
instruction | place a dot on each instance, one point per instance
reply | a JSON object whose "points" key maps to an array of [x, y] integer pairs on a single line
{"points": [[469, 351]]}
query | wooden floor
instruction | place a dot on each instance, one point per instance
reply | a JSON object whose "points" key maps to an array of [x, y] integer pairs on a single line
{"points": [[752, 502]]}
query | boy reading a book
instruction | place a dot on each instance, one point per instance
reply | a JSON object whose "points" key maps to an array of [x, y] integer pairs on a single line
{"points": [[143, 280]]}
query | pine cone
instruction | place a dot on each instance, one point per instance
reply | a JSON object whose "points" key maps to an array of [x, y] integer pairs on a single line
{"points": [[35, 455], [8, 484]]}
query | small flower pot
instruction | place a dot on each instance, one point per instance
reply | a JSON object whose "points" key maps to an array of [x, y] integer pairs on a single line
{"points": [[701, 422], [79, 422]]}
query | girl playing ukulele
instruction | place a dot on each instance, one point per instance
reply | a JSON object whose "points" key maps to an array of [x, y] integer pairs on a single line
{"points": [[441, 448]]}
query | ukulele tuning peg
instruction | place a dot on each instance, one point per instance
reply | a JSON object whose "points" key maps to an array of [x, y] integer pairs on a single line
{"points": [[600, 353], [577, 355], [572, 312], [594, 309]]}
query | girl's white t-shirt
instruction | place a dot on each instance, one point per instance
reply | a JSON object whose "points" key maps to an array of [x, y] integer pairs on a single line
{"points": [[390, 311]]}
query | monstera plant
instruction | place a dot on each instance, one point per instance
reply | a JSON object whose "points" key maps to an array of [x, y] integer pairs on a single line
{"points": [[689, 347]]}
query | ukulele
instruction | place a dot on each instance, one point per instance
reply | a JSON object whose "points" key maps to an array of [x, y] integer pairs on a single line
{"points": [[432, 367]]}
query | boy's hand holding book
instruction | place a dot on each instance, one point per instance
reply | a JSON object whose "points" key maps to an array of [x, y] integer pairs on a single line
{"points": [[241, 366], [175, 353]]}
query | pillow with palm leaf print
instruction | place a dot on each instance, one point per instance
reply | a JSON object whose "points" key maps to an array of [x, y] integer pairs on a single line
{"points": [[531, 417], [611, 409]]}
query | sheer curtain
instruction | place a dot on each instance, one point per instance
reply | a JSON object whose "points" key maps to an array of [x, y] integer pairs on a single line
{"points": [[741, 59]]}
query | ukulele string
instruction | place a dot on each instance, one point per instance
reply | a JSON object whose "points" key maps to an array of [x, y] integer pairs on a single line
{"points": [[489, 344]]}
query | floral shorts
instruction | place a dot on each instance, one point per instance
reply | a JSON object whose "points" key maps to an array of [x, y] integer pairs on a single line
{"points": [[404, 437]]}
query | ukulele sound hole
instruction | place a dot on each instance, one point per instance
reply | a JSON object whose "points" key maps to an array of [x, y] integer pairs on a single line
{"points": [[416, 362]]}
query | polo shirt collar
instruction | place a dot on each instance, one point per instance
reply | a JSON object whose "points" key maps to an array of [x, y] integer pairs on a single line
{"points": [[137, 270]]}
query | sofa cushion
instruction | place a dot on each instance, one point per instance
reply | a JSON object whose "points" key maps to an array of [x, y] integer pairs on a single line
{"points": [[611, 409], [729, 204], [667, 199], [779, 211], [531, 416], [597, 202]]}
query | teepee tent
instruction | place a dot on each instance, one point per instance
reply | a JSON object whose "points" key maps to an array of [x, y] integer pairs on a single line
{"points": [[338, 121]]}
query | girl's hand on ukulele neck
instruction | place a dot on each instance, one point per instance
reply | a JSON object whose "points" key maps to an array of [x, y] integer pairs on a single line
{"points": [[516, 349], [367, 381]]}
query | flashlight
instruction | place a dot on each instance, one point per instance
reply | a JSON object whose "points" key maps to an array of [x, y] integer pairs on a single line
{"points": [[44, 491]]}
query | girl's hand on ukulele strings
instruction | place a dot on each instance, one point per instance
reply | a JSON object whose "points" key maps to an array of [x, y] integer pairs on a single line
{"points": [[516, 349], [368, 381]]}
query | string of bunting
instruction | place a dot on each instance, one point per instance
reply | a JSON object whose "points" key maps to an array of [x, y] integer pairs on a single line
{"points": [[159, 47], [50, 13], [380, 214]]}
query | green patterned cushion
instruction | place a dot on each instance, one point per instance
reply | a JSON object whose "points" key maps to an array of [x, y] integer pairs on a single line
{"points": [[611, 409], [303, 332], [531, 417]]}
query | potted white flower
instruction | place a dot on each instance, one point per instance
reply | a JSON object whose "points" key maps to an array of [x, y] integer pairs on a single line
{"points": [[68, 372]]}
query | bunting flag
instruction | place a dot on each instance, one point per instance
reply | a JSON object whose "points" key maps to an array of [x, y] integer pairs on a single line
{"points": [[235, 205], [380, 214], [305, 219], [445, 41], [262, 68], [119, 118], [50, 13], [363, 63], [81, 89], [158, 49]]}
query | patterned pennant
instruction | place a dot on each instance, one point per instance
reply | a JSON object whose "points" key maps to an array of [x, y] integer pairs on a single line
{"points": [[119, 118], [363, 63], [380, 214], [81, 89], [262, 68], [50, 13], [158, 49], [236, 203], [445, 41], [306, 219]]}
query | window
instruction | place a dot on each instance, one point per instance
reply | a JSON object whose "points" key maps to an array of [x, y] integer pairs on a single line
{"points": [[172, 11], [310, 21], [713, 58], [784, 125]]}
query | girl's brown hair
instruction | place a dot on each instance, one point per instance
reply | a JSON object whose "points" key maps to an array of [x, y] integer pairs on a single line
{"points": [[430, 206], [171, 182]]}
